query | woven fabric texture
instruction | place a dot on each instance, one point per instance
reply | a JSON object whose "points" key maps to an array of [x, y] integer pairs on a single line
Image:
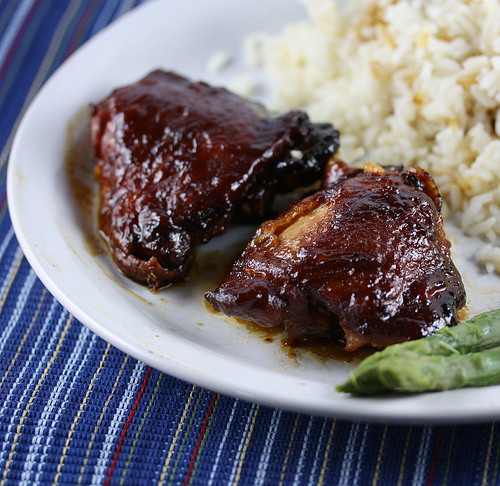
{"points": [[75, 410]]}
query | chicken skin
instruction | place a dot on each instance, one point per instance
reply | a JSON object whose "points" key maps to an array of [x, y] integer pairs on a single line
{"points": [[179, 160], [363, 261]]}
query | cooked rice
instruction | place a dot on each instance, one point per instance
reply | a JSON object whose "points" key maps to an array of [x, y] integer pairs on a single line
{"points": [[405, 81]]}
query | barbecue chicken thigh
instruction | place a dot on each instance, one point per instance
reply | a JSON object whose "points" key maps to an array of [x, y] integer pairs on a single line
{"points": [[363, 261], [179, 160]]}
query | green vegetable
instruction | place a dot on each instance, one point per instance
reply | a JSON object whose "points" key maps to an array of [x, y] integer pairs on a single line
{"points": [[454, 357]]}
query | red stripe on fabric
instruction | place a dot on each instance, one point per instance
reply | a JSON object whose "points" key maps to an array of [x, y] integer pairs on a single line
{"points": [[435, 455], [3, 201], [18, 38], [126, 426], [80, 28], [200, 438]]}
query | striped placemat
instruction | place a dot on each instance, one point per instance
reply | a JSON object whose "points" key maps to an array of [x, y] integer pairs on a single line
{"points": [[75, 410]]}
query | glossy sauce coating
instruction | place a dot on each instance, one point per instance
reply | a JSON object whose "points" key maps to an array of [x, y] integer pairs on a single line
{"points": [[364, 261], [179, 160]]}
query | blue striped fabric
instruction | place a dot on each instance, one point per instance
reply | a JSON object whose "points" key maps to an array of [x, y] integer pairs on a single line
{"points": [[75, 410]]}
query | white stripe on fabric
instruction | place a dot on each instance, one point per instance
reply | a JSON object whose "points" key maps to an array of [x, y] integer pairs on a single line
{"points": [[57, 402], [359, 456], [116, 425], [14, 25], [312, 477], [267, 449], [297, 480], [244, 438], [21, 403], [107, 15], [6, 242], [125, 6], [7, 281], [24, 295], [222, 443], [349, 457], [26, 364], [419, 475]]}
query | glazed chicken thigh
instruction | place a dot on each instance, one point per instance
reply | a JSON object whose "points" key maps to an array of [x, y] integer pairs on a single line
{"points": [[363, 261], [179, 160]]}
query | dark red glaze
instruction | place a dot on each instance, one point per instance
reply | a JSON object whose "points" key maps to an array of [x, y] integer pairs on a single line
{"points": [[179, 160], [365, 261]]}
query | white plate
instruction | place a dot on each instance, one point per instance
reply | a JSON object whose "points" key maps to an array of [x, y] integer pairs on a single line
{"points": [[172, 330]]}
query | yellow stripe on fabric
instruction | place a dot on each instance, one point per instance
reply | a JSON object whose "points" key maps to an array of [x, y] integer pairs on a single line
{"points": [[12, 276], [139, 429], [289, 448], [204, 439], [327, 455], [177, 434], [488, 456], [448, 458], [101, 418], [32, 399], [25, 336], [79, 414], [245, 446], [379, 458], [494, 474], [404, 459], [186, 434]]}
